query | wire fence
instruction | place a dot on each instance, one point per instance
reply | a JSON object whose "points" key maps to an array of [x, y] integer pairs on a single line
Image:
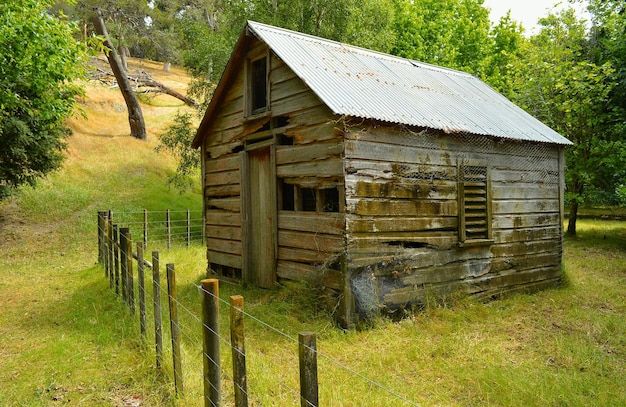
{"points": [[211, 368], [160, 229]]}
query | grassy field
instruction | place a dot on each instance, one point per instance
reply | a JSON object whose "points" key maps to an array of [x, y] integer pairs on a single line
{"points": [[66, 339]]}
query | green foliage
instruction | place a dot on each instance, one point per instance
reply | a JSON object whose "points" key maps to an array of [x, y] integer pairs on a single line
{"points": [[559, 81], [39, 59], [176, 140], [450, 33]]}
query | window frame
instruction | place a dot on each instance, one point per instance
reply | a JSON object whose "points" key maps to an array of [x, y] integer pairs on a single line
{"points": [[251, 86], [477, 192]]}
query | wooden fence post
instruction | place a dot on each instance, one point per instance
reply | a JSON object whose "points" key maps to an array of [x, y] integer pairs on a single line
{"points": [[238, 351], [168, 226], [308, 369], [188, 228], [124, 263], [130, 280], [105, 247], [101, 217], [142, 290], [174, 329], [110, 248], [211, 343], [116, 259], [145, 229], [156, 300]]}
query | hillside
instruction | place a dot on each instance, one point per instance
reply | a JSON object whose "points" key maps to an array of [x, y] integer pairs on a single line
{"points": [[53, 347]]}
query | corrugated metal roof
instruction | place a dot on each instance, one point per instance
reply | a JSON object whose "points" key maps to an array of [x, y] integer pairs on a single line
{"points": [[361, 83]]}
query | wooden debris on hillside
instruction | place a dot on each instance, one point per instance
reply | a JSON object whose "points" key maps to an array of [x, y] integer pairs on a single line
{"points": [[141, 81]]}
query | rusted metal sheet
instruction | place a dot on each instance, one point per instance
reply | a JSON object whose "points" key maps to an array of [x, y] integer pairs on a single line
{"points": [[357, 82]]}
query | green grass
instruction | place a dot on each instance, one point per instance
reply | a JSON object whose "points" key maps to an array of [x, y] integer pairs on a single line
{"points": [[66, 339]]}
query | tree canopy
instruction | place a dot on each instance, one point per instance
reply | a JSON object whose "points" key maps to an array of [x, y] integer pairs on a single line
{"points": [[39, 63]]}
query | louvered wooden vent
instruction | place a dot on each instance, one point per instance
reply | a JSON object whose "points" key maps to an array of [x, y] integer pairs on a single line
{"points": [[474, 206]]}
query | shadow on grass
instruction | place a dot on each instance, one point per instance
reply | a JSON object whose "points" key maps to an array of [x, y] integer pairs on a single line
{"points": [[599, 235]]}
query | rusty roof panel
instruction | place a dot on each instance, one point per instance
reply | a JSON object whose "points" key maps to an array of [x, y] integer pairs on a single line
{"points": [[361, 83]]}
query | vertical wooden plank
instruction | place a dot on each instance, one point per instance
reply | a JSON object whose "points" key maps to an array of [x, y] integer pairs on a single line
{"points": [[142, 290], [240, 380], [211, 343], [156, 301], [174, 328], [307, 351]]}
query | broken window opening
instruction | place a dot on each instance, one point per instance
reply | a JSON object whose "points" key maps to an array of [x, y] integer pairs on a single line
{"points": [[258, 86]]}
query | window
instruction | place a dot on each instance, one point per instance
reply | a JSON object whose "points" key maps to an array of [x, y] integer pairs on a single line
{"points": [[295, 198], [257, 86], [474, 204]]}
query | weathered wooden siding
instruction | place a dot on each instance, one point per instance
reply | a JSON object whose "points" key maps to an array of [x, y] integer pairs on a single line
{"points": [[307, 242], [402, 216]]}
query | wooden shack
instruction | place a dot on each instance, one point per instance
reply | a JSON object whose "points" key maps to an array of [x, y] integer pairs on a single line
{"points": [[384, 179]]}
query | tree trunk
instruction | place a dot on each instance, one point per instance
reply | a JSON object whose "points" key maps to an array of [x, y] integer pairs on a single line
{"points": [[578, 188], [135, 115], [573, 214]]}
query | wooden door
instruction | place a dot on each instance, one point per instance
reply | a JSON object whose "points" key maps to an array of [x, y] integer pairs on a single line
{"points": [[262, 218]]}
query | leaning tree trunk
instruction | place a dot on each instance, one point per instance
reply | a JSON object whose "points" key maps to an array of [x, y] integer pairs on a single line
{"points": [[135, 115]]}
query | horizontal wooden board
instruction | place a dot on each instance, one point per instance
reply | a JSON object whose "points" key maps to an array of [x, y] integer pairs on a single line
{"points": [[526, 206], [320, 132], [222, 190], [297, 271], [403, 189], [311, 241], [526, 234], [301, 101], [223, 178], [226, 163], [224, 232], [308, 152], [525, 220], [303, 255], [527, 248], [287, 88], [224, 246], [373, 224], [356, 170], [225, 259], [228, 204], [325, 223], [222, 218], [327, 168], [521, 191], [379, 151], [531, 176], [377, 242], [408, 208]]}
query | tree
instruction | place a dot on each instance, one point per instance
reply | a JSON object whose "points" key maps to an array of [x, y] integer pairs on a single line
{"points": [[557, 82], [135, 114], [39, 62], [450, 33]]}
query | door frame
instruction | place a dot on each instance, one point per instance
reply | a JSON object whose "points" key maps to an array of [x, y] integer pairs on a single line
{"points": [[249, 276]]}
